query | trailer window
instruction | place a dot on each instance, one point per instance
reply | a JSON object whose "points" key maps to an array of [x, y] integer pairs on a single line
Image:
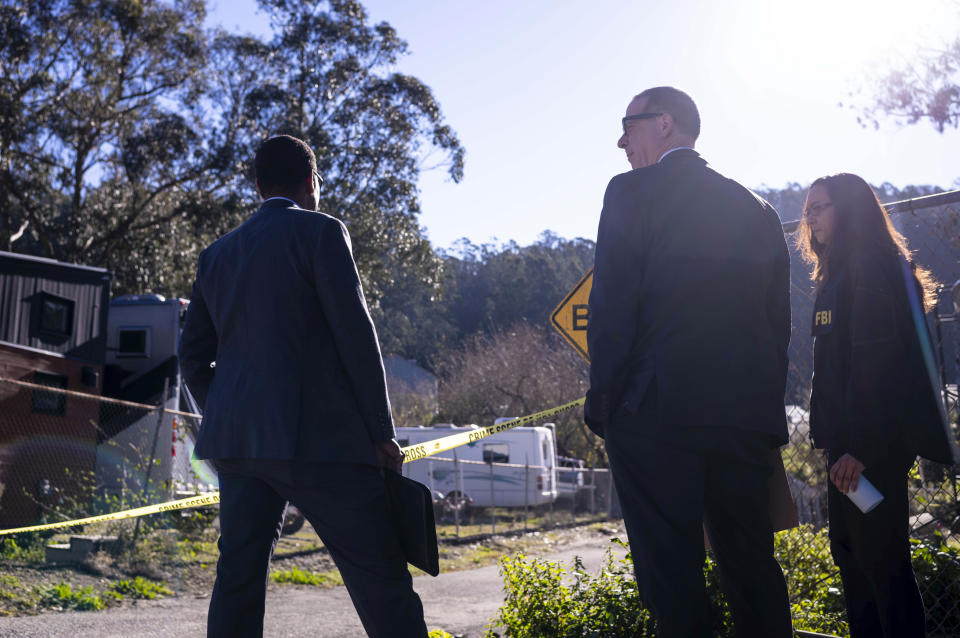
{"points": [[133, 342], [50, 402], [56, 316], [496, 453]]}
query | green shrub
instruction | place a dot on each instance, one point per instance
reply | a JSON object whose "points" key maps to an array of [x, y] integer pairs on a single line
{"points": [[937, 566], [543, 598], [813, 582], [26, 546]]}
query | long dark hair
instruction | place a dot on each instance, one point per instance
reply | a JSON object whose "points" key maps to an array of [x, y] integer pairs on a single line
{"points": [[860, 223]]}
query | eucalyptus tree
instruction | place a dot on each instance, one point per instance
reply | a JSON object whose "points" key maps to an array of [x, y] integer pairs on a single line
{"points": [[330, 77], [102, 150], [922, 87], [127, 132]]}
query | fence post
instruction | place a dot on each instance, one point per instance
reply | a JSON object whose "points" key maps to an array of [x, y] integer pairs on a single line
{"points": [[153, 454], [156, 435], [458, 486], [551, 509], [493, 513], [610, 493], [526, 492], [430, 476], [573, 497], [593, 491], [123, 485]]}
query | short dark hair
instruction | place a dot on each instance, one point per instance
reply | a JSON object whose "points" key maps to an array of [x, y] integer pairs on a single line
{"points": [[283, 162], [678, 104]]}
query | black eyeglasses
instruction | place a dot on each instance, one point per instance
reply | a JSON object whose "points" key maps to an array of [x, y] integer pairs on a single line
{"points": [[318, 176], [638, 116]]}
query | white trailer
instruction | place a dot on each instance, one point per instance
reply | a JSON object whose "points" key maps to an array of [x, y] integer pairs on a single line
{"points": [[142, 336], [515, 468]]}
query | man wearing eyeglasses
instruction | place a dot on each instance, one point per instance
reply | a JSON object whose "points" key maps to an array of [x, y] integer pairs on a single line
{"points": [[688, 333], [281, 354]]}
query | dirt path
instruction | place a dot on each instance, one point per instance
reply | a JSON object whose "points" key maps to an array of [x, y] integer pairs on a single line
{"points": [[460, 602]]}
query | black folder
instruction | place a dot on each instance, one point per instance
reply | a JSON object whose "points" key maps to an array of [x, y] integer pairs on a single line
{"points": [[411, 507]]}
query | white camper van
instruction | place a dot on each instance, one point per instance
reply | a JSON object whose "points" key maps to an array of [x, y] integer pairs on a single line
{"points": [[142, 336], [523, 470]]}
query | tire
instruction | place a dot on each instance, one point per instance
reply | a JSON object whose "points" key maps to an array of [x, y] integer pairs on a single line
{"points": [[292, 521], [456, 502]]}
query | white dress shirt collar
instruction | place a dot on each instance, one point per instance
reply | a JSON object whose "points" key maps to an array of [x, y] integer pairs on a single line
{"points": [[676, 148], [270, 199]]}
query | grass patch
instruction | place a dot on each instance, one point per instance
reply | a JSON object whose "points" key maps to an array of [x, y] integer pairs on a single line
{"points": [[63, 596], [14, 596], [198, 550], [511, 520], [139, 588], [17, 598], [7, 581], [298, 576], [460, 557]]}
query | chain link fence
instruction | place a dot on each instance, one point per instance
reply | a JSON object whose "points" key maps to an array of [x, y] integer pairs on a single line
{"points": [[475, 498], [67, 454], [932, 227]]}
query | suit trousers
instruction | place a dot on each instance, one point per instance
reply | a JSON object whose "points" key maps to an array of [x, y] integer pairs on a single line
{"points": [[347, 506], [670, 480], [873, 553]]}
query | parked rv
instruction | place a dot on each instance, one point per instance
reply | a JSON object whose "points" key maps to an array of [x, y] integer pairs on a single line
{"points": [[142, 336], [519, 463]]}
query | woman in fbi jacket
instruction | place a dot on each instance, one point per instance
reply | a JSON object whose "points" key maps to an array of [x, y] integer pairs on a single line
{"points": [[876, 401]]}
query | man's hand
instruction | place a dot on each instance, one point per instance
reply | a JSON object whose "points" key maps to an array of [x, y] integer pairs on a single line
{"points": [[845, 473], [389, 455]]}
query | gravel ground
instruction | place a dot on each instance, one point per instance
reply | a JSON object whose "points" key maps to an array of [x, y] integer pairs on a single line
{"points": [[462, 600]]}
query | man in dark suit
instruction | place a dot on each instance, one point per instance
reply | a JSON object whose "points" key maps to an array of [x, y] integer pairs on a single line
{"points": [[688, 333], [281, 353]]}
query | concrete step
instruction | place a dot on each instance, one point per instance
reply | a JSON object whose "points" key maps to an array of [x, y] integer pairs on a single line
{"points": [[59, 553], [79, 548]]}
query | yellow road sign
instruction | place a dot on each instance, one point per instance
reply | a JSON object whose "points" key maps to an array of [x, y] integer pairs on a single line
{"points": [[571, 316]]}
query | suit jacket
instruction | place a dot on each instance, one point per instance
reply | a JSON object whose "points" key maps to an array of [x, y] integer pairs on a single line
{"points": [[277, 304], [691, 296]]}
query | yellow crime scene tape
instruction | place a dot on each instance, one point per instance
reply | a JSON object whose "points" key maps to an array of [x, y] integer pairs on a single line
{"points": [[429, 448], [211, 498], [411, 453]]}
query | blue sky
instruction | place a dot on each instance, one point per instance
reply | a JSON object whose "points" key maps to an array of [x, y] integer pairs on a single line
{"points": [[536, 90]]}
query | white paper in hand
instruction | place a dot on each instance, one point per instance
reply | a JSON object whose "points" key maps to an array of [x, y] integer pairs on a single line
{"points": [[866, 497]]}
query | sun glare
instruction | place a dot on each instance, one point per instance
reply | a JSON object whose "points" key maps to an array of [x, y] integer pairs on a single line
{"points": [[848, 36]]}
